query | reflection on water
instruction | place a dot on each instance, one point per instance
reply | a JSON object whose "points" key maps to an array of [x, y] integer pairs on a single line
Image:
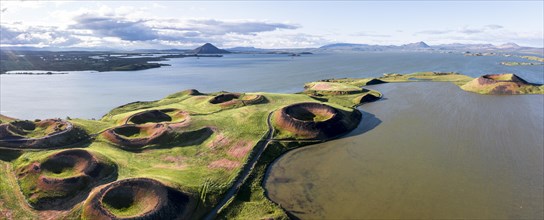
{"points": [[436, 152]]}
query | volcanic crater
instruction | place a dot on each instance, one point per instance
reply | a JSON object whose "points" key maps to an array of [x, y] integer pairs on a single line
{"points": [[138, 198], [233, 99], [158, 115], [132, 136], [500, 84], [44, 134], [63, 179], [311, 120]]}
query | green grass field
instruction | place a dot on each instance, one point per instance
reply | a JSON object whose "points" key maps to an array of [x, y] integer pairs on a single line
{"points": [[202, 166], [214, 162]]}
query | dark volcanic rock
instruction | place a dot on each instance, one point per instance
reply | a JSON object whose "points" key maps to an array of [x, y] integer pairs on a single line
{"points": [[209, 49]]}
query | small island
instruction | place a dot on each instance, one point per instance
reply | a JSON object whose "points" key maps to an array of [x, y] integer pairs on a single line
{"points": [[520, 63], [35, 73], [190, 155], [540, 61]]}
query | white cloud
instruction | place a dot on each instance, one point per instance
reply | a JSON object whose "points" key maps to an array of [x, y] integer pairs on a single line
{"points": [[494, 34], [87, 27], [21, 35]]}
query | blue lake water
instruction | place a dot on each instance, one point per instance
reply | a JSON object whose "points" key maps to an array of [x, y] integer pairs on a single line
{"points": [[92, 94]]}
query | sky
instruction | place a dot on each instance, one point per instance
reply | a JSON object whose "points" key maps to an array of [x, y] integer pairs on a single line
{"points": [[264, 24]]}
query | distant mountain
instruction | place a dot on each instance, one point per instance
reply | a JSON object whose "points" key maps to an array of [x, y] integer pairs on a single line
{"points": [[346, 47], [422, 46], [509, 46], [458, 46], [503, 48], [338, 45], [246, 50], [288, 51], [208, 49], [418, 45]]}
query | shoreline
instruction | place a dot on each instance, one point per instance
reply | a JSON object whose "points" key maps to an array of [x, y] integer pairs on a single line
{"points": [[199, 128]]}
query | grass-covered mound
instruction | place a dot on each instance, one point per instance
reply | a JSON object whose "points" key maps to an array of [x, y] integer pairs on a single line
{"points": [[138, 137], [58, 181], [44, 134], [6, 119], [453, 77], [311, 120], [133, 136], [502, 84], [200, 104], [358, 82], [225, 98], [188, 92], [367, 97], [158, 115], [236, 99], [345, 92], [138, 198]]}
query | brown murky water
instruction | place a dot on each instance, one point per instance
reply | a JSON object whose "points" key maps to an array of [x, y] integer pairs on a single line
{"points": [[427, 151]]}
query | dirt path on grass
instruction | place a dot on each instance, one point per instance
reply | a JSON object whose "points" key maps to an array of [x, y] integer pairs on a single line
{"points": [[10, 177], [246, 170]]}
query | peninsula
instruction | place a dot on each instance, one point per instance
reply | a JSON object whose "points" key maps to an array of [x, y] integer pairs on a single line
{"points": [[50, 61]]}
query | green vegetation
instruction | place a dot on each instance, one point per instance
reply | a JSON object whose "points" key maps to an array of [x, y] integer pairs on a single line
{"points": [[251, 202], [535, 58], [540, 61], [130, 200], [137, 66], [12, 203], [5, 119], [57, 179], [128, 211], [212, 138], [455, 78], [412, 77], [41, 130], [214, 161]]}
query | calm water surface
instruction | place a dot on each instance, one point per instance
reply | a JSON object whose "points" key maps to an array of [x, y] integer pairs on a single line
{"points": [[92, 94], [427, 151]]}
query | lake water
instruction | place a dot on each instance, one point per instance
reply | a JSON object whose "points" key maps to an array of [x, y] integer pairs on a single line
{"points": [[92, 94], [428, 150]]}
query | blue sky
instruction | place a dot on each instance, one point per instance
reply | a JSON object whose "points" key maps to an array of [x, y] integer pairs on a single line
{"points": [[184, 24]]}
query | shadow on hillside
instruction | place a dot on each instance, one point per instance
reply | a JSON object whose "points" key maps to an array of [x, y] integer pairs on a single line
{"points": [[9, 155]]}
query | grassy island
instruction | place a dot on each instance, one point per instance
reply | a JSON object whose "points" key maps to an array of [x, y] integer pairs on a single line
{"points": [[520, 63], [535, 58], [539, 61], [189, 155]]}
